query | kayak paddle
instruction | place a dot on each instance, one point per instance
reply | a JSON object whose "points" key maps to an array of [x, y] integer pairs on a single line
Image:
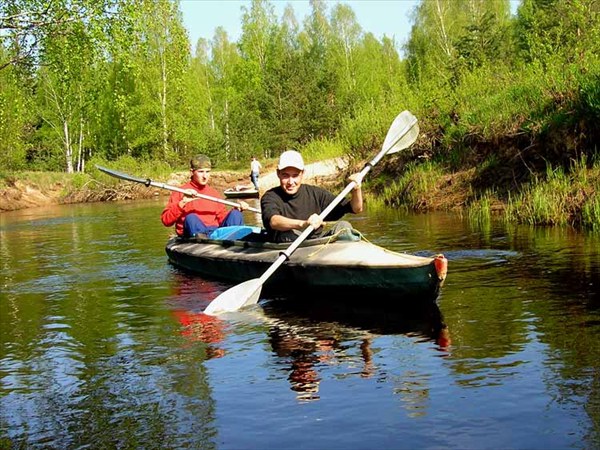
{"points": [[401, 135], [148, 182]]}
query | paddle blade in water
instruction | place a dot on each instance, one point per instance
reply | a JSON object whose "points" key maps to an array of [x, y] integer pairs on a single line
{"points": [[402, 134], [243, 294]]}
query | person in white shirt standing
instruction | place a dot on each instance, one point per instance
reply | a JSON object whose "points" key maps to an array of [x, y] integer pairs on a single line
{"points": [[255, 172]]}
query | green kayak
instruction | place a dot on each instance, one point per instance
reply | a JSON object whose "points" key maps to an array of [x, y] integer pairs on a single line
{"points": [[325, 263]]}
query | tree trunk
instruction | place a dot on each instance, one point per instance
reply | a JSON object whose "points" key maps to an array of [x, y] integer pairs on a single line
{"points": [[227, 143], [80, 156], [68, 147], [165, 131]]}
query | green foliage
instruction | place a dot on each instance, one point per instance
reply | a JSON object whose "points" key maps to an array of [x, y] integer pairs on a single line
{"points": [[450, 38], [547, 29], [544, 203], [365, 132], [590, 212], [116, 82], [560, 198], [479, 211], [15, 115], [589, 93], [79, 181], [418, 183], [137, 167], [322, 149]]}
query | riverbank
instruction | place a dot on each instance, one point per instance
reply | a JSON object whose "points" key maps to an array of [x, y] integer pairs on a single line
{"points": [[558, 197], [43, 190]]}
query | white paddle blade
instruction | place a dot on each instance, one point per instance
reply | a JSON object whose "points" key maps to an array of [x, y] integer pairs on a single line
{"points": [[402, 134], [407, 140], [243, 294]]}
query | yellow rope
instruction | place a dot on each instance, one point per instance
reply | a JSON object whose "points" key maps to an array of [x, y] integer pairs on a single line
{"points": [[333, 238], [362, 237]]}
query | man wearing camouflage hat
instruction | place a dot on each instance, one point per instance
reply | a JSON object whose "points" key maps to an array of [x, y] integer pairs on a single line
{"points": [[193, 216]]}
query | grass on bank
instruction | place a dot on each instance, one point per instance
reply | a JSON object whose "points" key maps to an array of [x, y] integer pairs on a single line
{"points": [[558, 197], [36, 179], [415, 190], [91, 185], [498, 116], [561, 198]]}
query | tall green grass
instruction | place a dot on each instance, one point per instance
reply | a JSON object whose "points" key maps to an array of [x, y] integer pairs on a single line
{"points": [[479, 211], [66, 183], [35, 179], [561, 198], [414, 190]]}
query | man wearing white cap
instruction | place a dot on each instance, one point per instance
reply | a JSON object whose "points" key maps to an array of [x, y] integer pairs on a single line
{"points": [[292, 206]]}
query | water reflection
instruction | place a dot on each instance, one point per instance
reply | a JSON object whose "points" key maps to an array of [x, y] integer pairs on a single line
{"points": [[103, 344], [203, 328], [309, 334], [189, 297]]}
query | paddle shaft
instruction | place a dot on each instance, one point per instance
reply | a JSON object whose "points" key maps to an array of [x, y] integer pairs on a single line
{"points": [[148, 182], [285, 255]]}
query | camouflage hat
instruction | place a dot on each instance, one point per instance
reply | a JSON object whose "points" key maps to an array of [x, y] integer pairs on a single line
{"points": [[200, 162]]}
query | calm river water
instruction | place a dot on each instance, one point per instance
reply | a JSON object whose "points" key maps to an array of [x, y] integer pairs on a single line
{"points": [[103, 344]]}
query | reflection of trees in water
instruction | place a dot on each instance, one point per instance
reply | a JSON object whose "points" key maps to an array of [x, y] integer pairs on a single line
{"points": [[413, 389], [122, 391], [546, 297], [309, 335], [529, 295]]}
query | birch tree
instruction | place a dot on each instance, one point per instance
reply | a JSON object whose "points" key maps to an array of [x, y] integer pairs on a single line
{"points": [[63, 92], [160, 63], [345, 39], [446, 31], [224, 61], [319, 117]]}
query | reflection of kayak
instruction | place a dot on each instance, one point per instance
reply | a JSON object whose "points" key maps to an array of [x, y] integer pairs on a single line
{"points": [[316, 314], [325, 263], [241, 193]]}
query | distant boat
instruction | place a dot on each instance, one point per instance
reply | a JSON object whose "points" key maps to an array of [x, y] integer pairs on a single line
{"points": [[241, 192]]}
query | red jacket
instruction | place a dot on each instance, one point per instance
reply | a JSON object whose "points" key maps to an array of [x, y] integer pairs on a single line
{"points": [[211, 213]]}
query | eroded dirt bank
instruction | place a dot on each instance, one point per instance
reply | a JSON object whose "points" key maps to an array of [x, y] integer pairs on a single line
{"points": [[19, 195]]}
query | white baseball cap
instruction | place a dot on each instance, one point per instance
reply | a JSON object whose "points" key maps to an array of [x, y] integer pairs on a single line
{"points": [[290, 158]]}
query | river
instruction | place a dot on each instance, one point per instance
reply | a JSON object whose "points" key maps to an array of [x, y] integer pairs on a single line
{"points": [[103, 344]]}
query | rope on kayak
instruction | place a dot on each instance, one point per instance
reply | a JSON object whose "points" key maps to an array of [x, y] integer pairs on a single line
{"points": [[335, 236], [387, 250], [384, 249], [363, 238]]}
